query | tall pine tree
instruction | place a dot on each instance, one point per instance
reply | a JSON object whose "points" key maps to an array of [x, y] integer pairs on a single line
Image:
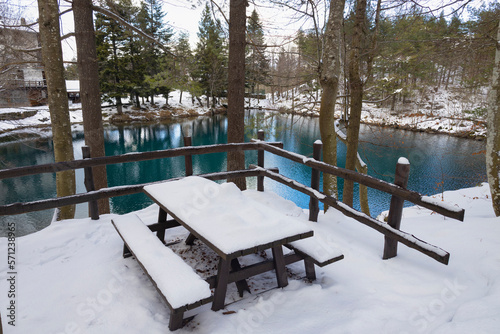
{"points": [[211, 57], [257, 64], [150, 20], [113, 51], [184, 60]]}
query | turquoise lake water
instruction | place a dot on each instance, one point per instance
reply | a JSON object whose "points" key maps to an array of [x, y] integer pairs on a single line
{"points": [[438, 162]]}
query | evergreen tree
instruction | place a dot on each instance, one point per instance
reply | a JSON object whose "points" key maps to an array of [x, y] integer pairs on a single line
{"points": [[211, 57], [257, 64], [309, 51], [150, 20], [71, 71], [112, 41], [183, 64]]}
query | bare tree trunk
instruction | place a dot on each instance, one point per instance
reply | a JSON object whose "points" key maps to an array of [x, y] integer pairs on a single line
{"points": [[493, 140], [57, 98], [329, 74], [361, 167], [236, 86], [356, 88], [89, 90]]}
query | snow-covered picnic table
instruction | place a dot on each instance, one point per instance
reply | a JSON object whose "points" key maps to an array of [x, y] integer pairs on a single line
{"points": [[233, 224], [230, 223]]}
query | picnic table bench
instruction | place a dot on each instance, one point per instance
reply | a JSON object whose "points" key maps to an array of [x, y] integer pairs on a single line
{"points": [[181, 288], [232, 225]]}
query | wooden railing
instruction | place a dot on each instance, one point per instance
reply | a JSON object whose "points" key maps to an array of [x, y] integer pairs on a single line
{"points": [[393, 235]]}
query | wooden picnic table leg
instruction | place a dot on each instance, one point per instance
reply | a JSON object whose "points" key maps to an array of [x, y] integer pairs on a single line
{"points": [[279, 265], [162, 219], [221, 284], [241, 285], [190, 239], [310, 271], [176, 320]]}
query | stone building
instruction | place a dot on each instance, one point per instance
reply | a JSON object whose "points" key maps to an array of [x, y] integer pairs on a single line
{"points": [[22, 79]]}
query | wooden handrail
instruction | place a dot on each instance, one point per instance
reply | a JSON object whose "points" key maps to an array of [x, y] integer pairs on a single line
{"points": [[124, 158], [52, 203], [407, 239], [275, 148], [369, 181]]}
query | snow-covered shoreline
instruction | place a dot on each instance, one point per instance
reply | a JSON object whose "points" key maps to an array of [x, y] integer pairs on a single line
{"points": [[441, 115], [71, 278]]}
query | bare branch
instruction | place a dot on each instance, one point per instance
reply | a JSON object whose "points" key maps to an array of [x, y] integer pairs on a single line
{"points": [[32, 24], [6, 66], [131, 27], [220, 10]]}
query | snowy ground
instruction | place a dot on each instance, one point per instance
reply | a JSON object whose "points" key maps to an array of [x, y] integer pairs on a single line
{"points": [[445, 111], [71, 278]]}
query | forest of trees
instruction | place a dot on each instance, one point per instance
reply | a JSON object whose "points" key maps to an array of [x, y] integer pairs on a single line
{"points": [[415, 50]]}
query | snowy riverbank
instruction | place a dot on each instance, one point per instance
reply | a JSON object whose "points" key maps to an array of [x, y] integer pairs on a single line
{"points": [[439, 112], [71, 278]]}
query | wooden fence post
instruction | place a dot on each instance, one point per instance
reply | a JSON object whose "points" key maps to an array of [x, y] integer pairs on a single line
{"points": [[188, 162], [260, 161], [188, 159], [315, 176], [89, 184], [396, 208]]}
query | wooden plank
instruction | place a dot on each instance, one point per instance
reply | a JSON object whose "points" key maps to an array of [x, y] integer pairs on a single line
{"points": [[164, 225], [312, 259], [272, 143], [255, 269], [407, 239], [242, 285], [124, 158], [272, 169], [52, 203], [369, 181]]}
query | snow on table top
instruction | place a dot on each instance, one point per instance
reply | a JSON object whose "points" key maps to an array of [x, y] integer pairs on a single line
{"points": [[226, 217], [174, 278]]}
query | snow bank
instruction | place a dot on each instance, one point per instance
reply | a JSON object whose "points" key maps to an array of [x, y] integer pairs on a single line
{"points": [[73, 279]]}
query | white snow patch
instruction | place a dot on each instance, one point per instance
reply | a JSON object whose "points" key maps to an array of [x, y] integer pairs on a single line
{"points": [[403, 161], [441, 203], [72, 278]]}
